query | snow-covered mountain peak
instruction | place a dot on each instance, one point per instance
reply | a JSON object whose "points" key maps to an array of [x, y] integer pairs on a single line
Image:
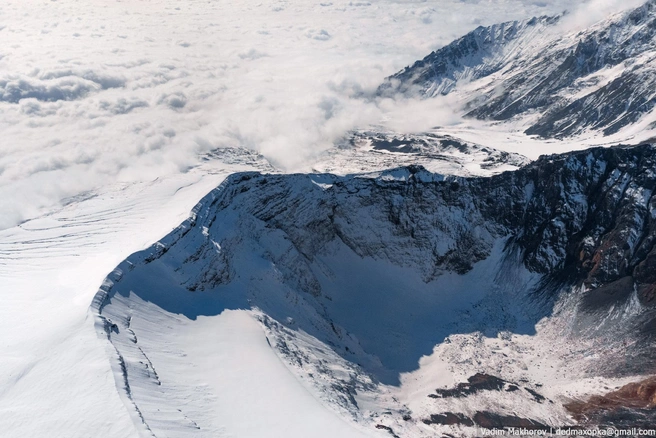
{"points": [[479, 53], [435, 263], [424, 277], [551, 85]]}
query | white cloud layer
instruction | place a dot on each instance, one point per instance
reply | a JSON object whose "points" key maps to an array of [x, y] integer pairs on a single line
{"points": [[96, 92], [593, 11]]}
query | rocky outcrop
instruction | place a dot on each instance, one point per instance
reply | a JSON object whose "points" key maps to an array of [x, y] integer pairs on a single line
{"points": [[584, 218], [485, 419], [364, 151], [586, 215], [380, 268], [631, 405], [483, 382]]}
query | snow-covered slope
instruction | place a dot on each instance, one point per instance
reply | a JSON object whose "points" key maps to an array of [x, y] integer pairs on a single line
{"points": [[117, 117], [376, 289], [599, 79], [49, 266], [480, 53], [367, 151], [54, 376]]}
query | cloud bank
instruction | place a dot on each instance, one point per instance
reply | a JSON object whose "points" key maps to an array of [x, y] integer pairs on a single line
{"points": [[94, 93]]}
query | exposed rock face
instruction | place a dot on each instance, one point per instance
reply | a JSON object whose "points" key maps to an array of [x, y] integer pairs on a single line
{"points": [[383, 267], [491, 420], [476, 383], [485, 419], [600, 78], [580, 218], [587, 215], [632, 405], [482, 382]]}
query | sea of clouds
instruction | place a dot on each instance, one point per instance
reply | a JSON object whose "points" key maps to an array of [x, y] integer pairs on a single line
{"points": [[97, 92]]}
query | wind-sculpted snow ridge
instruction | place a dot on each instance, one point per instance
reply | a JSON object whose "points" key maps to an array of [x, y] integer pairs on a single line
{"points": [[409, 302], [600, 79], [480, 53]]}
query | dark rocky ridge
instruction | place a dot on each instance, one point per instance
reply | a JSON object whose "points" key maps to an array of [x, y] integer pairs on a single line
{"points": [[585, 218], [633, 405], [485, 419], [483, 382], [581, 217], [475, 384]]}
